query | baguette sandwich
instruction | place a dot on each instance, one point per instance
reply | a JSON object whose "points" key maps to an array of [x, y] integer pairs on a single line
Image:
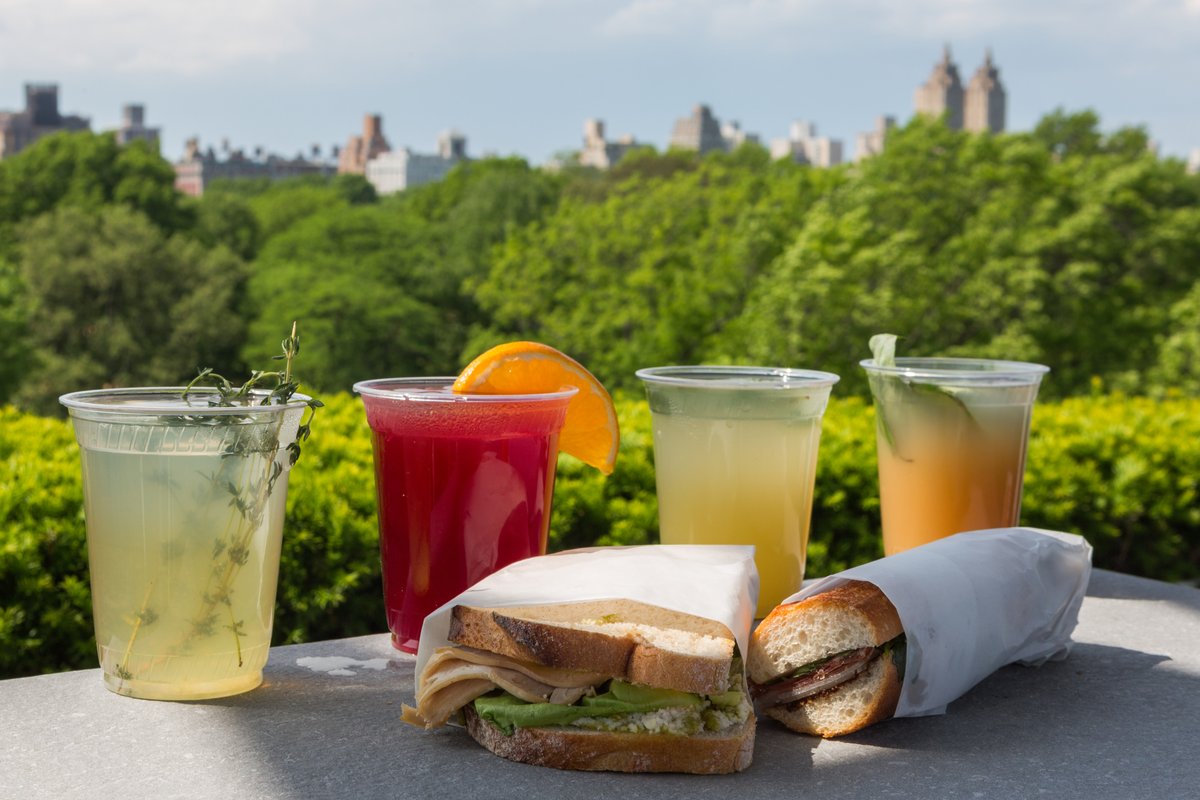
{"points": [[599, 685], [831, 664]]}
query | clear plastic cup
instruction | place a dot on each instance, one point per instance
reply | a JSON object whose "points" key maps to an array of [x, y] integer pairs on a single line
{"points": [[184, 506], [735, 456], [464, 484], [951, 435]]}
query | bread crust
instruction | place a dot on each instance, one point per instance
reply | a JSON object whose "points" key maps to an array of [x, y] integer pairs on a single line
{"points": [[773, 651], [527, 635], [568, 748], [876, 609], [813, 715]]}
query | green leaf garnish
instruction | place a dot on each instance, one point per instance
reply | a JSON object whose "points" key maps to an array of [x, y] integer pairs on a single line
{"points": [[883, 351]]}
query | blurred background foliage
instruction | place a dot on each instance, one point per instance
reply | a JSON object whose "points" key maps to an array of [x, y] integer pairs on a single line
{"points": [[1065, 245]]}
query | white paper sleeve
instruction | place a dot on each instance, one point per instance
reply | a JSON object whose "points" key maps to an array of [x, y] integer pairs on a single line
{"points": [[717, 582], [974, 602]]}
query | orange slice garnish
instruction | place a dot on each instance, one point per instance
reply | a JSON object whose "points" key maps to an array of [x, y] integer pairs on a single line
{"points": [[590, 432]]}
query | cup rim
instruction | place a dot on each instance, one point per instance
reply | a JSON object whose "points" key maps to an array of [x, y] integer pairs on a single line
{"points": [[395, 389], [737, 377], [88, 400], [960, 369]]}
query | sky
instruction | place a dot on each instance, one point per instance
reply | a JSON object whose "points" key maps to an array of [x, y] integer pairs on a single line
{"points": [[521, 76]]}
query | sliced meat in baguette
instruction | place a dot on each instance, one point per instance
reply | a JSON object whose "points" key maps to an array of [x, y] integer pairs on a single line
{"points": [[830, 664], [864, 700]]}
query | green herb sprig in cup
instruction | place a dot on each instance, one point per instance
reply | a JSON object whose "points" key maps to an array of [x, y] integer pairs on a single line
{"points": [[899, 389], [247, 475]]}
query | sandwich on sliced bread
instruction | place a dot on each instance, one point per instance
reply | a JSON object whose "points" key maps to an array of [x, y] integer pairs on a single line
{"points": [[600, 685], [831, 664]]}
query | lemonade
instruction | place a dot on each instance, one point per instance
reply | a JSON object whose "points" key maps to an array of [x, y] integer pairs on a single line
{"points": [[951, 437], [184, 508], [735, 453]]}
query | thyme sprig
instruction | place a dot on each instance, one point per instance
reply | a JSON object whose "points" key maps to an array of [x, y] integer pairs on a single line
{"points": [[282, 385], [248, 473], [249, 496]]}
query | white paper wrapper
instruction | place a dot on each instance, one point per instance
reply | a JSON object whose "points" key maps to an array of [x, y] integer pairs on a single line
{"points": [[717, 582], [974, 602]]}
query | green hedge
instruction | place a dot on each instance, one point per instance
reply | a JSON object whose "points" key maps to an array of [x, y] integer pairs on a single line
{"points": [[1122, 471]]}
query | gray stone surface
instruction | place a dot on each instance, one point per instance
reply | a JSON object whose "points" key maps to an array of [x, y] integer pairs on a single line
{"points": [[1115, 720]]}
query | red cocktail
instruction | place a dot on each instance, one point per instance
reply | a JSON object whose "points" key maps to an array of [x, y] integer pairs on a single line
{"points": [[464, 483]]}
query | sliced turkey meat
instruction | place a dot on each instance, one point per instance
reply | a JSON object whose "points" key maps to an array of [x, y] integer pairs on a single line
{"points": [[457, 675]]}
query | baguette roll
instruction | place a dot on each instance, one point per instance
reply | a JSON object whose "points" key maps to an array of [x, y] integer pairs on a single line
{"points": [[831, 664]]}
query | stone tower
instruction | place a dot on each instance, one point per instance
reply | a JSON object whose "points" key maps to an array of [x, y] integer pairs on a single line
{"points": [[984, 102], [942, 93], [41, 103], [701, 131], [359, 150]]}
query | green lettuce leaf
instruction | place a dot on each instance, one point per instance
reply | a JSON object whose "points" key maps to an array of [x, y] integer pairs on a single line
{"points": [[507, 712]]}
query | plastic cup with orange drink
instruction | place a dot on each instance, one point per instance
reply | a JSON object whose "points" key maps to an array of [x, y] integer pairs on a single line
{"points": [[951, 436]]}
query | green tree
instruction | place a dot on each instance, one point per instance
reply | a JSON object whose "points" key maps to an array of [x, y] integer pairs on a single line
{"points": [[362, 281], [1069, 134], [224, 218], [922, 241], [278, 206], [113, 301], [355, 189], [649, 272], [992, 246], [476, 207], [1178, 366], [15, 347], [88, 170], [1112, 260]]}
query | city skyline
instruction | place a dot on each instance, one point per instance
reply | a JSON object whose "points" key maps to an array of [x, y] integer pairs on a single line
{"points": [[521, 76]]}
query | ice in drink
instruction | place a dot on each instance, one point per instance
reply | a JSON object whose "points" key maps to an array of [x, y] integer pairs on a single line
{"points": [[735, 454], [464, 485], [951, 437]]}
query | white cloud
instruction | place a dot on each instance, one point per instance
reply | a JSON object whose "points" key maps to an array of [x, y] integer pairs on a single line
{"points": [[317, 38], [651, 18], [143, 36], [716, 19], [767, 21]]}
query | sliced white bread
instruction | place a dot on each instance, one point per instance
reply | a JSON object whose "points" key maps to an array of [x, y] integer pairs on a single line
{"points": [[571, 748], [622, 638]]}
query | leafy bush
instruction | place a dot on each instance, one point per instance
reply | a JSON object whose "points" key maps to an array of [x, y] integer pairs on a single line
{"points": [[620, 509], [45, 603], [330, 584], [1124, 472]]}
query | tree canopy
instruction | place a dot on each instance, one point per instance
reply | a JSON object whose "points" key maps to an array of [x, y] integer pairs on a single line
{"points": [[1067, 245], [113, 301]]}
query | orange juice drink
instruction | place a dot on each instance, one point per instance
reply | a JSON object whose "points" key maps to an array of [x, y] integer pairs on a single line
{"points": [[735, 451], [951, 436]]}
